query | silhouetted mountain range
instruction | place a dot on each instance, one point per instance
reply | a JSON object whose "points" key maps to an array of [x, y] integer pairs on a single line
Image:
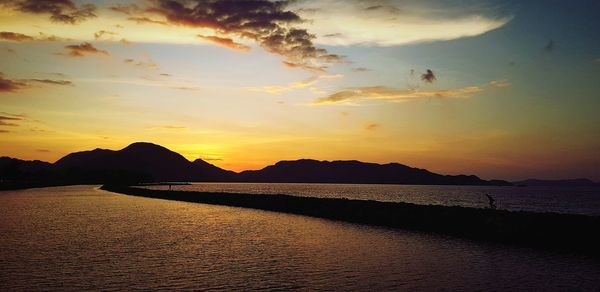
{"points": [[146, 162], [579, 182]]}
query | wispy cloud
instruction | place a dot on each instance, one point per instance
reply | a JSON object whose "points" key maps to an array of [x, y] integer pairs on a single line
{"points": [[225, 42], [373, 127], [500, 83], [10, 120], [8, 85], [143, 64], [396, 22], [13, 85], [277, 89], [144, 19], [393, 94], [104, 33], [85, 49], [550, 46], [19, 37], [360, 69]]}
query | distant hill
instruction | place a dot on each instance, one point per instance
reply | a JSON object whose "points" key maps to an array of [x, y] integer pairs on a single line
{"points": [[16, 169], [579, 182], [352, 171], [147, 162], [144, 161]]}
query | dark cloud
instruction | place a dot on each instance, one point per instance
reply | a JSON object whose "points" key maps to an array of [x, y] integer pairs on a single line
{"points": [[84, 49], [9, 120], [332, 35], [7, 85], [8, 124], [51, 81], [360, 69], [65, 11], [143, 19], [265, 22], [226, 42], [165, 74], [15, 37], [428, 76], [19, 37], [375, 7], [42, 150], [373, 127], [550, 46], [13, 85], [126, 9]]}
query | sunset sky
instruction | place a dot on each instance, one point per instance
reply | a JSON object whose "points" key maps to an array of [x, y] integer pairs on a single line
{"points": [[500, 89]]}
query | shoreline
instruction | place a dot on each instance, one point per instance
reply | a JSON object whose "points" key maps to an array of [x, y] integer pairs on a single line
{"points": [[552, 231]]}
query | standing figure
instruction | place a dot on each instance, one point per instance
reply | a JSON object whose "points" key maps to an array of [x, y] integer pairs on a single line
{"points": [[492, 201]]}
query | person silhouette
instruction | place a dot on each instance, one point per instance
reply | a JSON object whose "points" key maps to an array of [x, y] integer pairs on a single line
{"points": [[492, 202]]}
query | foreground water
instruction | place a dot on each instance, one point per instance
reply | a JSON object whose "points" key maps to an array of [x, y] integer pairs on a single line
{"points": [[574, 200], [81, 238]]}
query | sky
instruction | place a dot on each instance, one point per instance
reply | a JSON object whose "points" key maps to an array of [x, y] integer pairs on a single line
{"points": [[501, 89]]}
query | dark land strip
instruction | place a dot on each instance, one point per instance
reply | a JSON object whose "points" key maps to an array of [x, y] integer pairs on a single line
{"points": [[552, 231]]}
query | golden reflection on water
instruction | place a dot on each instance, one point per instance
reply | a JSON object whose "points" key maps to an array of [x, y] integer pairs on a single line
{"points": [[74, 238]]}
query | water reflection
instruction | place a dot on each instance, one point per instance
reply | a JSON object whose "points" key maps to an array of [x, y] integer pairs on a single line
{"points": [[74, 238]]}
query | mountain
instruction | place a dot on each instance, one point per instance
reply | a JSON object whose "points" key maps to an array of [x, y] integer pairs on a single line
{"points": [[140, 161], [578, 182], [352, 171], [16, 169], [147, 162]]}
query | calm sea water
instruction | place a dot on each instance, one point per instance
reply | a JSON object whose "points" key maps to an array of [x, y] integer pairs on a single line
{"points": [[81, 238], [575, 200]]}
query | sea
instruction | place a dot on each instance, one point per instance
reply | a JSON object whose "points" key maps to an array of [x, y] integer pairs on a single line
{"points": [[570, 200], [79, 238]]}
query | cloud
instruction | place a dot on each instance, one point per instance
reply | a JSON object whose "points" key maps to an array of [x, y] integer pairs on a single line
{"points": [[167, 128], [397, 22], [360, 69], [373, 127], [10, 120], [19, 37], [428, 76], [51, 81], [143, 19], [13, 85], [550, 46], [64, 11], [226, 42], [85, 49], [278, 89], [101, 33], [7, 85], [147, 65], [15, 37], [393, 95], [8, 50], [500, 83], [43, 150], [126, 9], [266, 22], [596, 61]]}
